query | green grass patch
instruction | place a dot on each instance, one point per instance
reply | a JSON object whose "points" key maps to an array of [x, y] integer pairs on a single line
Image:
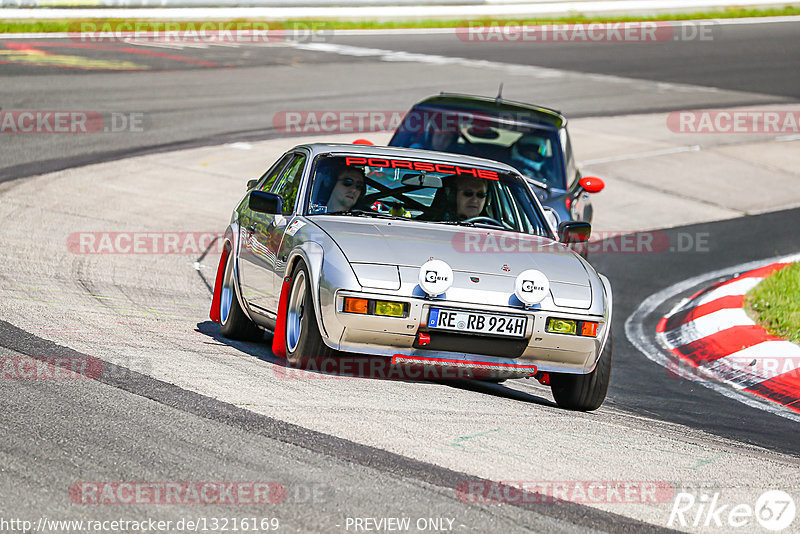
{"points": [[70, 25], [775, 303]]}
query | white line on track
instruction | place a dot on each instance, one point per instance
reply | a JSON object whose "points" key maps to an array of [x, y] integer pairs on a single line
{"points": [[137, 14], [403, 12], [511, 68], [644, 341], [642, 155]]}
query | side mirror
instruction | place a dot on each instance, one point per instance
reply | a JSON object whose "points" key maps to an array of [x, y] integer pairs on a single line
{"points": [[591, 184], [363, 142], [264, 202], [251, 184], [574, 231]]}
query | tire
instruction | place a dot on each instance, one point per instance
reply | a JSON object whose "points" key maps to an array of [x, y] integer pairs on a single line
{"points": [[584, 392], [233, 322], [303, 340]]}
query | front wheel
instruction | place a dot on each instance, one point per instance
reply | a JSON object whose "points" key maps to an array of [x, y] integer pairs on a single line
{"points": [[303, 339], [584, 392], [233, 322]]}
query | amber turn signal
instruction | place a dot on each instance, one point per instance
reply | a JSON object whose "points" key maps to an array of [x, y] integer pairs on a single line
{"points": [[356, 305]]}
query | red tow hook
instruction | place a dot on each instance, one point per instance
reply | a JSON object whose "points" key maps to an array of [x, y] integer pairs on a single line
{"points": [[423, 339], [543, 378]]}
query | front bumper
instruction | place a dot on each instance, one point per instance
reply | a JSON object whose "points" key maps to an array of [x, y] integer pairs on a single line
{"points": [[507, 357]]}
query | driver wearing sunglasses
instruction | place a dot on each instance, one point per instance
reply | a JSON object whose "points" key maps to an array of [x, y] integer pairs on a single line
{"points": [[470, 196], [348, 189]]}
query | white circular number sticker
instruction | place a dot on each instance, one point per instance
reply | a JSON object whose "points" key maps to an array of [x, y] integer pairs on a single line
{"points": [[775, 510], [435, 277], [531, 286]]}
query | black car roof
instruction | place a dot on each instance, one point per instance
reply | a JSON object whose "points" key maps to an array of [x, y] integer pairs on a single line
{"points": [[492, 106]]}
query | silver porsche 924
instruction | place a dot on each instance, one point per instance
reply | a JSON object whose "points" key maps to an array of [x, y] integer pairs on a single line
{"points": [[431, 259]]}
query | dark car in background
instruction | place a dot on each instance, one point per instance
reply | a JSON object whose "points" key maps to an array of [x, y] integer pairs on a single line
{"points": [[530, 138]]}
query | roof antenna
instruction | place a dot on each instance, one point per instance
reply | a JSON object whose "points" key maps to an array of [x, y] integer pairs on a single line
{"points": [[499, 96]]}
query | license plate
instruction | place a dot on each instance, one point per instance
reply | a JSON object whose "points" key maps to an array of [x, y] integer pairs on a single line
{"points": [[477, 322]]}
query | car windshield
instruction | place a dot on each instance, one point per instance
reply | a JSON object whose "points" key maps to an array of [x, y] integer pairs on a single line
{"points": [[532, 150], [423, 190]]}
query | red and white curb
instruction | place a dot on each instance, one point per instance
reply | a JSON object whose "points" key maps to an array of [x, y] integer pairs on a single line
{"points": [[710, 339], [715, 339]]}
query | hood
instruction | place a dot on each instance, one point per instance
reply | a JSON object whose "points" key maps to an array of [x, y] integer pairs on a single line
{"points": [[499, 256]]}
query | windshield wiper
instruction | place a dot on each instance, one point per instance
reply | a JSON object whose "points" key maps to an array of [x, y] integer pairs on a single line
{"points": [[369, 213], [457, 223], [479, 224]]}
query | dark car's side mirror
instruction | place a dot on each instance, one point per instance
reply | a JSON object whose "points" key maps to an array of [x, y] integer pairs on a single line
{"points": [[574, 231], [251, 184], [264, 202], [592, 184]]}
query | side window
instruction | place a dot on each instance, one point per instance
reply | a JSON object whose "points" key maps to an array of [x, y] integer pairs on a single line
{"points": [[288, 183], [267, 180]]}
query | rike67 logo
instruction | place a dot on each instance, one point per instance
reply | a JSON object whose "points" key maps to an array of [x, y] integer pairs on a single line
{"points": [[774, 510]]}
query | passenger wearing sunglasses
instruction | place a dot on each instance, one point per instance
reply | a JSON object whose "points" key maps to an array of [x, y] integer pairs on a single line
{"points": [[348, 189], [470, 196]]}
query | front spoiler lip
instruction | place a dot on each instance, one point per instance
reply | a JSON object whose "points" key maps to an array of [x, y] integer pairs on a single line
{"points": [[482, 368], [455, 362]]}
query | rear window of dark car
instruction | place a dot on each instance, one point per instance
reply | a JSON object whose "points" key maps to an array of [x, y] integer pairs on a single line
{"points": [[534, 150]]}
